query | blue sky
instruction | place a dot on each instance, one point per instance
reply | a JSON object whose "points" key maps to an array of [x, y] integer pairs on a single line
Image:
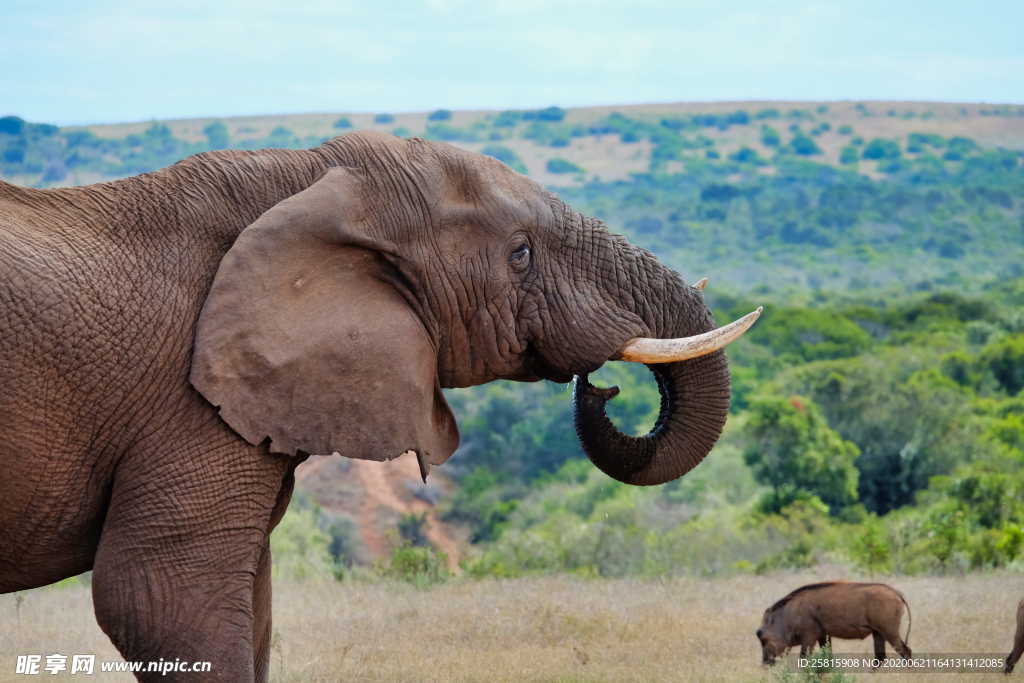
{"points": [[96, 61]]}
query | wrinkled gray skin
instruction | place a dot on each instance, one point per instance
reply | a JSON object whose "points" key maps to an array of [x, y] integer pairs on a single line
{"points": [[169, 356]]}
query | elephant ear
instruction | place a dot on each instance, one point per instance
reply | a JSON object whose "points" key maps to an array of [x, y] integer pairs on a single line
{"points": [[303, 341]]}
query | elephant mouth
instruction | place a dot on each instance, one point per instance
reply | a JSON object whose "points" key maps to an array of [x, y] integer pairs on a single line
{"points": [[539, 368], [644, 350]]}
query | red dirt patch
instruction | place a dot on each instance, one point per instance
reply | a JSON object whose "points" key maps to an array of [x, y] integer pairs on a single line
{"points": [[375, 495]]}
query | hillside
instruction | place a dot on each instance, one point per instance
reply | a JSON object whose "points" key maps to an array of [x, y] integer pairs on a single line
{"points": [[878, 398], [779, 195], [376, 496], [604, 149]]}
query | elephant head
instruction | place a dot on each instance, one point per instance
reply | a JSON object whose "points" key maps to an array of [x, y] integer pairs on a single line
{"points": [[337, 316]]}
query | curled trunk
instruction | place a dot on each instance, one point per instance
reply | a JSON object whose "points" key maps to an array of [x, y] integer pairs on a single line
{"points": [[694, 405]]}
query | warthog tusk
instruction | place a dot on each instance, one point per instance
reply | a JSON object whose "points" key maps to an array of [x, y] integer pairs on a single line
{"points": [[646, 350], [701, 284]]}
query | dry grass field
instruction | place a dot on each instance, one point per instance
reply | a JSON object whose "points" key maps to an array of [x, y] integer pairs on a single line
{"points": [[540, 629]]}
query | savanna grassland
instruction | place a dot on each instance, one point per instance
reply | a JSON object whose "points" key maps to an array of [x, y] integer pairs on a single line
{"points": [[554, 628]]}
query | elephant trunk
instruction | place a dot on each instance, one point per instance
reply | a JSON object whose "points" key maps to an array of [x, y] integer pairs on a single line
{"points": [[694, 399]]}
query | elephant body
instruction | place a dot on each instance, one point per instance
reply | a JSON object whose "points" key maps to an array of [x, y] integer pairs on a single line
{"points": [[818, 612], [176, 343], [101, 432]]}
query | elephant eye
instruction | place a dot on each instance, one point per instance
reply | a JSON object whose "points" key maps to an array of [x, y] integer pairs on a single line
{"points": [[520, 257]]}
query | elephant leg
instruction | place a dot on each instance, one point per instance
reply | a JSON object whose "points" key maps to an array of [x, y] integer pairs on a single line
{"points": [[262, 622], [152, 610], [262, 590], [178, 569]]}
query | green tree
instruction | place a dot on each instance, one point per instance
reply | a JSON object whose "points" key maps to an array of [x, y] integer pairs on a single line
{"points": [[412, 529], [282, 137], [869, 548], [745, 155], [1005, 360], [301, 549], [156, 134], [12, 125], [770, 137], [959, 147], [549, 114], [343, 122], [507, 156], [879, 148], [507, 119], [217, 135], [803, 145], [909, 425], [439, 115], [792, 449], [812, 334]]}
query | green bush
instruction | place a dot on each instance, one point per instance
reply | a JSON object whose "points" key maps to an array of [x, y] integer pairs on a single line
{"points": [[300, 548], [746, 155], [869, 548], [505, 155], [812, 334], [803, 145], [12, 125], [878, 148], [507, 119], [217, 135], [412, 529], [421, 566], [1004, 359], [546, 114], [958, 147]]}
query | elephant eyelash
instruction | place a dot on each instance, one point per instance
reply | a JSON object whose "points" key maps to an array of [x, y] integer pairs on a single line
{"points": [[521, 253]]}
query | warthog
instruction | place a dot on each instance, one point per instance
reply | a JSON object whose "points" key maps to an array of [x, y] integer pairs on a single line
{"points": [[820, 611], [1018, 640]]}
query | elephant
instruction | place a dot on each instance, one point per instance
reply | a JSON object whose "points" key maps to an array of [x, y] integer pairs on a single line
{"points": [[176, 343]]}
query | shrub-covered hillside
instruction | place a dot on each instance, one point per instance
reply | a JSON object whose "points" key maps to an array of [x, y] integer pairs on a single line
{"points": [[878, 414], [855, 196]]}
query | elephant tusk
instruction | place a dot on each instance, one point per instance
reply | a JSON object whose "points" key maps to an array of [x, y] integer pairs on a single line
{"points": [[645, 350], [701, 284]]}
